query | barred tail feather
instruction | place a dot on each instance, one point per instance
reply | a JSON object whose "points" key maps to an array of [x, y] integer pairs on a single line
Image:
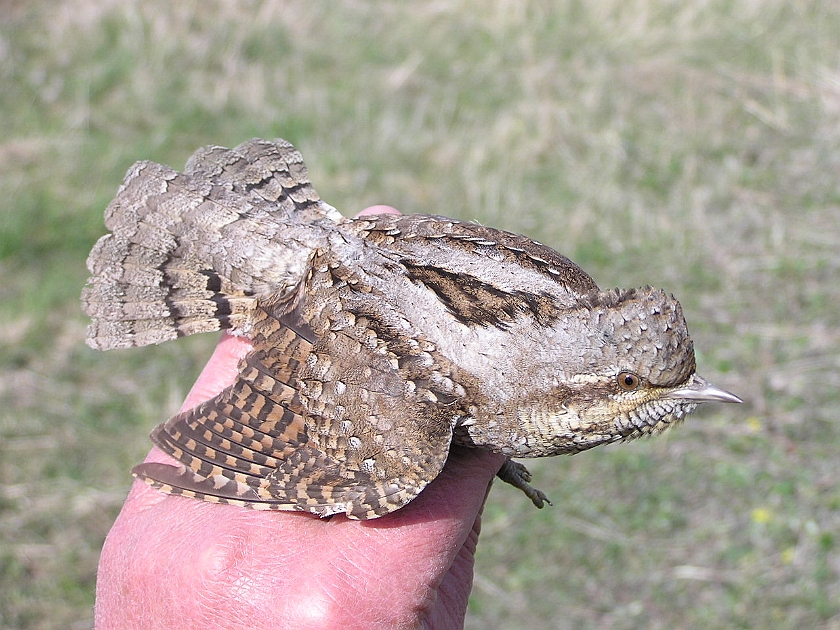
{"points": [[190, 252], [139, 296]]}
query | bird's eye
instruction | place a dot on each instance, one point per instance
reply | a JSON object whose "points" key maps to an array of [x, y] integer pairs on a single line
{"points": [[627, 381]]}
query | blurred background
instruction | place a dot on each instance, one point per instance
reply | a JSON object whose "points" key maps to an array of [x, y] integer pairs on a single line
{"points": [[693, 146]]}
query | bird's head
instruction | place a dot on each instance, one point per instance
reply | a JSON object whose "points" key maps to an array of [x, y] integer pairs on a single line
{"points": [[634, 375]]}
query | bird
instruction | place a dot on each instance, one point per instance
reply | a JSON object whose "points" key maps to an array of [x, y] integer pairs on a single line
{"points": [[378, 342]]}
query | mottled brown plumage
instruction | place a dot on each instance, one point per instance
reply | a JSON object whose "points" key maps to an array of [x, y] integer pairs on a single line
{"points": [[378, 341]]}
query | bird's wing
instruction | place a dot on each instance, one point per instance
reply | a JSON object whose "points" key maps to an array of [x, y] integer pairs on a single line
{"points": [[335, 410]]}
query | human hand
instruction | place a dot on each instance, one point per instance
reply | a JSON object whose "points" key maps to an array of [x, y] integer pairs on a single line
{"points": [[173, 562]]}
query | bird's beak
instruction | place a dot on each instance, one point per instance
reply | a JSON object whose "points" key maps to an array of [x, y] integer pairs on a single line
{"points": [[700, 390]]}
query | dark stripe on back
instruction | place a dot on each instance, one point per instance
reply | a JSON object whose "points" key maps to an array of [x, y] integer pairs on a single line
{"points": [[477, 303]]}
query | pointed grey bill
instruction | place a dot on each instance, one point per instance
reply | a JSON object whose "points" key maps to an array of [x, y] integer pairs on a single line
{"points": [[699, 389]]}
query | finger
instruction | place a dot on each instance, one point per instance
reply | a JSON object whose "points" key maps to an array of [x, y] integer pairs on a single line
{"points": [[220, 371], [378, 210]]}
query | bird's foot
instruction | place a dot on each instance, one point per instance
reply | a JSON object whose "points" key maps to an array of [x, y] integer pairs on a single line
{"points": [[518, 476]]}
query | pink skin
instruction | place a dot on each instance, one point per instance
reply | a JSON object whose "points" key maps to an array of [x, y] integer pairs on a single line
{"points": [[173, 562]]}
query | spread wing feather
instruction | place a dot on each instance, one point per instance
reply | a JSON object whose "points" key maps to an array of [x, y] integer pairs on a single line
{"points": [[299, 431]]}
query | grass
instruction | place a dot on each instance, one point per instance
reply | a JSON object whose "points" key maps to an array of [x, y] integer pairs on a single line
{"points": [[693, 146]]}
